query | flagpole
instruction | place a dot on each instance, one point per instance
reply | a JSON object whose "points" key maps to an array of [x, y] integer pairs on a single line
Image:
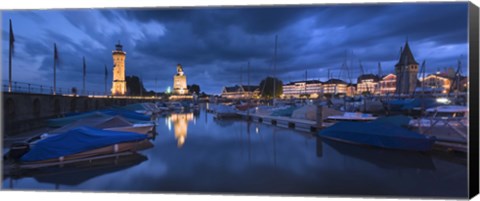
{"points": [[10, 51], [54, 68], [105, 79], [84, 75]]}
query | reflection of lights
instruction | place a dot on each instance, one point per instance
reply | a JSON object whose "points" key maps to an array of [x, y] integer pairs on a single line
{"points": [[256, 130], [180, 123], [168, 121]]}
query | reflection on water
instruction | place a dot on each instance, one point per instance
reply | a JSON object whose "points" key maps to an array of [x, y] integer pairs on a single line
{"points": [[381, 158], [78, 173], [180, 125], [235, 156]]}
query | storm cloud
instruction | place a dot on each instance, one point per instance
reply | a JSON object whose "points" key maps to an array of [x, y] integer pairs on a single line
{"points": [[214, 44]]}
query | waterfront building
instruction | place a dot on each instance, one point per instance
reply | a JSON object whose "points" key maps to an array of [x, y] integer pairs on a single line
{"points": [[368, 83], [241, 92], [180, 82], [437, 82], [334, 86], [309, 88], [388, 84], [351, 89], [119, 85], [406, 71]]}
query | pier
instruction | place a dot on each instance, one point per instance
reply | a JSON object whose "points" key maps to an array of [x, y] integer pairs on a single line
{"points": [[26, 110], [447, 141]]}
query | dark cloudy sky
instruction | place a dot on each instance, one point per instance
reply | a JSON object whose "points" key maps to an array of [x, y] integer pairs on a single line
{"points": [[215, 44]]}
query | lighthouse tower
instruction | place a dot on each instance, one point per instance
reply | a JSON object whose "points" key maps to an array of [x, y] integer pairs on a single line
{"points": [[119, 86]]}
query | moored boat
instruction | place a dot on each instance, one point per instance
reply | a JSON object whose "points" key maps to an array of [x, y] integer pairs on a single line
{"points": [[81, 143], [378, 134], [352, 116], [115, 123], [223, 111]]}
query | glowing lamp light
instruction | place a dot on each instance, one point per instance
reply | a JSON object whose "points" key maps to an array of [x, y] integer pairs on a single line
{"points": [[169, 89], [443, 100]]}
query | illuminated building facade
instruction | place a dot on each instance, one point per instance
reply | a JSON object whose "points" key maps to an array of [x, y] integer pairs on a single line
{"points": [[310, 88], [334, 86], [438, 82], [388, 84], [119, 85], [368, 83], [351, 89], [241, 92]]}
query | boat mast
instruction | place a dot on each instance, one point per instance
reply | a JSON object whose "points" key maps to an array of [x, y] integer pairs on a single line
{"points": [[274, 69], [10, 54]]}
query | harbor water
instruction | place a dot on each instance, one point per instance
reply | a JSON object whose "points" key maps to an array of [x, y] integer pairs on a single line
{"points": [[196, 153]]}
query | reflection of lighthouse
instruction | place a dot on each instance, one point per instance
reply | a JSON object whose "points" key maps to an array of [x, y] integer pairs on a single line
{"points": [[180, 126]]}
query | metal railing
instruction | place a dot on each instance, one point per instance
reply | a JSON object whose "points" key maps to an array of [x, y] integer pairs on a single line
{"points": [[29, 88]]}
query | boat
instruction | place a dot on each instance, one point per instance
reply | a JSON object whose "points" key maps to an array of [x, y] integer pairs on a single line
{"points": [[223, 111], [80, 144], [132, 117], [378, 134], [352, 116], [444, 117], [162, 106], [175, 106], [62, 121], [114, 123]]}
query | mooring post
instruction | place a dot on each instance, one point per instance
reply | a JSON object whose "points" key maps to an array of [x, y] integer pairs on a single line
{"points": [[319, 118]]}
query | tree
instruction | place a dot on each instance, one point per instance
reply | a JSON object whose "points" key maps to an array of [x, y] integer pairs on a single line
{"points": [[266, 87], [135, 86], [194, 88]]}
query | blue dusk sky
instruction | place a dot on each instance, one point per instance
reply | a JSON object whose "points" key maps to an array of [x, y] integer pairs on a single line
{"points": [[214, 44]]}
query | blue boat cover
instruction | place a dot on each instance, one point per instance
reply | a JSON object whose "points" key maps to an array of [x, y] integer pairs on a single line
{"points": [[419, 102], [76, 141], [378, 134], [127, 114], [59, 122], [398, 120], [133, 107]]}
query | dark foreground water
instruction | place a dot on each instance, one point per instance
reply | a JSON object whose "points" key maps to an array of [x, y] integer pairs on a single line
{"points": [[195, 153]]}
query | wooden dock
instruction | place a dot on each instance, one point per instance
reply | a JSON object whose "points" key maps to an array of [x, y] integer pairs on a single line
{"points": [[284, 122]]}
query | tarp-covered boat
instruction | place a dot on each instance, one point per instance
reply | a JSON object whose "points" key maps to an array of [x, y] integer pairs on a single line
{"points": [[115, 123], [378, 134], [59, 122], [127, 114], [83, 142], [132, 117]]}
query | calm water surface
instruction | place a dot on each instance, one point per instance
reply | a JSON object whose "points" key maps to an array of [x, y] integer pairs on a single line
{"points": [[195, 153]]}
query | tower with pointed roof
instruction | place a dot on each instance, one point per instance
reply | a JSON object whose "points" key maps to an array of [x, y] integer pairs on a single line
{"points": [[406, 71], [119, 85]]}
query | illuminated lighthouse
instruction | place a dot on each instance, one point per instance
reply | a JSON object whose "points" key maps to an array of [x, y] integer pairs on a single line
{"points": [[119, 86]]}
